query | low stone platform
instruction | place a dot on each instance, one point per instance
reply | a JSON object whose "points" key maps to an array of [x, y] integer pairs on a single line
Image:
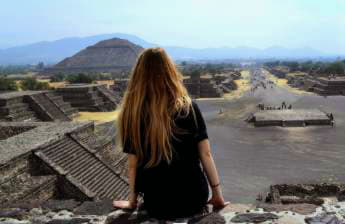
{"points": [[290, 118], [101, 212]]}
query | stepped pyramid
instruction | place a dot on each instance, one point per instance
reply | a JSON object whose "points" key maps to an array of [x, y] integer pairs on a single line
{"points": [[113, 55]]}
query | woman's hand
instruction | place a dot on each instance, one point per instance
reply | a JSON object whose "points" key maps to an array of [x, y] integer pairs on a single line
{"points": [[125, 204], [217, 201]]}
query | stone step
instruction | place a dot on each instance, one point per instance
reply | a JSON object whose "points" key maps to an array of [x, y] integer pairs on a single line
{"points": [[74, 90], [14, 108], [14, 168], [10, 101], [27, 115], [70, 111], [61, 102], [64, 106], [53, 96], [68, 96], [27, 187], [86, 102], [90, 173], [49, 107]]}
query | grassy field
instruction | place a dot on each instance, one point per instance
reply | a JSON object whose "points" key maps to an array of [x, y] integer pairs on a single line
{"points": [[106, 82], [57, 84], [98, 117]]}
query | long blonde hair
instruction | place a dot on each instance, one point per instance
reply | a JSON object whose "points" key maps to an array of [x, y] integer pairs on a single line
{"points": [[154, 94]]}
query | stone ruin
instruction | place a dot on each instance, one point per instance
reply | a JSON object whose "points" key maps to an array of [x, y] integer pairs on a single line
{"points": [[279, 71], [297, 81], [315, 194], [323, 86], [60, 105], [49, 161], [289, 117], [202, 87], [90, 97], [120, 86], [328, 86], [34, 106], [211, 86], [42, 161]]}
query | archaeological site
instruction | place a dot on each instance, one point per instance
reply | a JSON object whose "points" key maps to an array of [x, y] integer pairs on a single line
{"points": [[172, 112]]}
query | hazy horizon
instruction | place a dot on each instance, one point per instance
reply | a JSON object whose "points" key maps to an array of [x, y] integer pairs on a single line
{"points": [[193, 23]]}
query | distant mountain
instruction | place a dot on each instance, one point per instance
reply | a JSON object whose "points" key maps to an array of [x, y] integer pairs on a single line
{"points": [[51, 52], [243, 52]]}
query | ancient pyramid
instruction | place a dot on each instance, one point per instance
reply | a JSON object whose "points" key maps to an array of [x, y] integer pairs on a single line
{"points": [[113, 55]]}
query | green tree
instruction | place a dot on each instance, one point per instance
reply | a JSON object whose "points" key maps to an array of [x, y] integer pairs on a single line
{"points": [[7, 84], [32, 84], [80, 78], [336, 68], [57, 78]]}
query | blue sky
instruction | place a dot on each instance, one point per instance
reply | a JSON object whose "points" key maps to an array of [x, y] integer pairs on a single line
{"points": [[319, 24]]}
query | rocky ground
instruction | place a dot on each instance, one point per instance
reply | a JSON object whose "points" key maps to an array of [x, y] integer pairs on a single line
{"points": [[101, 212]]}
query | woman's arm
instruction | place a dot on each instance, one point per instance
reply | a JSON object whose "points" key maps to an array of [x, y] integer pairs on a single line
{"points": [[210, 169], [132, 172]]}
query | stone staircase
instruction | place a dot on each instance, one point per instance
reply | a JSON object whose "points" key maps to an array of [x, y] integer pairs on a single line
{"points": [[48, 108], [64, 106], [16, 109], [84, 169], [109, 97], [83, 97]]}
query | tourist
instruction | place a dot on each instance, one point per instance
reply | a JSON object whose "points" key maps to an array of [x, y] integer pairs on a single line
{"points": [[165, 136], [283, 105]]}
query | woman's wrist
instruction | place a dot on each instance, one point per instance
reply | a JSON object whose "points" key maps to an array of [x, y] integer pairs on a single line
{"points": [[133, 199], [216, 191]]}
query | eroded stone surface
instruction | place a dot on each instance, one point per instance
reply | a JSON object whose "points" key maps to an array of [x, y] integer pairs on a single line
{"points": [[56, 205], [331, 212], [303, 209]]}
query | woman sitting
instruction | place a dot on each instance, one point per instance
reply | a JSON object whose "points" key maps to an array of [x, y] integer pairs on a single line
{"points": [[165, 136]]}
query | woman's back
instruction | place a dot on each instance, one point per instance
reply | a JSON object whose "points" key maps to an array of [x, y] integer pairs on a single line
{"points": [[182, 177]]}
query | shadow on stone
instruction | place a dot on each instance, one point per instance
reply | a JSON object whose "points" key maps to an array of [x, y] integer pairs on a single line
{"points": [[127, 217], [57, 205], [212, 218], [254, 217], [95, 208]]}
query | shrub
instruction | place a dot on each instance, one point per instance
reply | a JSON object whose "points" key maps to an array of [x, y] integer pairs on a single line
{"points": [[80, 78], [7, 84], [32, 84]]}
